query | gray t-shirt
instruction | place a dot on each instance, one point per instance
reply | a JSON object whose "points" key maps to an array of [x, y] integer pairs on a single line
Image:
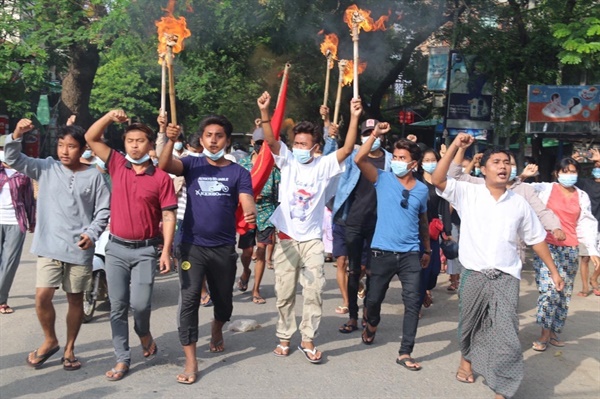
{"points": [[69, 204]]}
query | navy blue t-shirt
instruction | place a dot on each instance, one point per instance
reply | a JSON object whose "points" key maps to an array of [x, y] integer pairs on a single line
{"points": [[212, 199]]}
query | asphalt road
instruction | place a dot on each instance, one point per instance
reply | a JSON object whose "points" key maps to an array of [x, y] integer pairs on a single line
{"points": [[247, 369]]}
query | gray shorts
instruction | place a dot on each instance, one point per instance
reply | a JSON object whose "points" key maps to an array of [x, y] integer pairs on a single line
{"points": [[583, 249], [51, 273]]}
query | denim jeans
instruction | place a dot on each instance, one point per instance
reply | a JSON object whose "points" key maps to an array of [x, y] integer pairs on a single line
{"points": [[406, 265], [355, 238]]}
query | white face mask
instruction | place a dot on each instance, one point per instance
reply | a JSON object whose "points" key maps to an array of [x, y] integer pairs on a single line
{"points": [[376, 144], [195, 154], [1, 155]]}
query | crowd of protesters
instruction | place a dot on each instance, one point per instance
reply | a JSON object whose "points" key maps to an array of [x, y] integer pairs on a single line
{"points": [[397, 208]]}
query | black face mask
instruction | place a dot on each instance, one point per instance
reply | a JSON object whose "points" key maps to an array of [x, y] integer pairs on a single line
{"points": [[257, 146]]}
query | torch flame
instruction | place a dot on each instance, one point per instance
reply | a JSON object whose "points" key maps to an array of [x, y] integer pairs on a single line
{"points": [[330, 46], [364, 20], [171, 31], [348, 72]]}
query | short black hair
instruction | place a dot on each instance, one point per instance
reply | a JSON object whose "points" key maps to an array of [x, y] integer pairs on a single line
{"points": [[491, 151], [193, 140], [564, 163], [216, 120], [74, 131], [411, 147], [150, 134], [434, 152], [307, 127]]}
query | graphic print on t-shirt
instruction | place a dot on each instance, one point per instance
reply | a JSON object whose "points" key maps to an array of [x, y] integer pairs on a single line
{"points": [[300, 204], [213, 186]]}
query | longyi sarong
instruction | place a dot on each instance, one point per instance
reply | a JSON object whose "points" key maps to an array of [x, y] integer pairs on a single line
{"points": [[488, 328]]}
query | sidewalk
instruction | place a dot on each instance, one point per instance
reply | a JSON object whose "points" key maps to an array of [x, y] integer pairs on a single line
{"points": [[247, 369]]}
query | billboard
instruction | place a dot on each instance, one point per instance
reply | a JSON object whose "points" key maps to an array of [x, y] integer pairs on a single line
{"points": [[469, 97], [437, 70], [563, 109]]}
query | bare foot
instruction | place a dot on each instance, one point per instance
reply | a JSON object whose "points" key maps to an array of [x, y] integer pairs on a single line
{"points": [[216, 340]]}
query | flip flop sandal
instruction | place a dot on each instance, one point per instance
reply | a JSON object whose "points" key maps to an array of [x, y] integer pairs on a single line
{"points": [[188, 378], [5, 309], [117, 375], [313, 352], [206, 301], [414, 367], [342, 310], [150, 350], [242, 285], [348, 328], [539, 346], [70, 364], [556, 342], [462, 376], [285, 351], [258, 300], [368, 336], [214, 347], [42, 358]]}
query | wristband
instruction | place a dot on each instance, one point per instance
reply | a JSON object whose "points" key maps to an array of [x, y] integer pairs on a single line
{"points": [[428, 252], [267, 121]]}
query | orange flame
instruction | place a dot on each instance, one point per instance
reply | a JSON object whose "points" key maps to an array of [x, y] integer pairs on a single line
{"points": [[349, 71], [367, 23], [169, 25], [330, 43]]}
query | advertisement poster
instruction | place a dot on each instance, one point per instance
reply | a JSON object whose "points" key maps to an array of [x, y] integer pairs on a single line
{"points": [[563, 109], [469, 97], [437, 71]]}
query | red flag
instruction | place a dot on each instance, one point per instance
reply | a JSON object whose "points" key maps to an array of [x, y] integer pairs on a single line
{"points": [[263, 165]]}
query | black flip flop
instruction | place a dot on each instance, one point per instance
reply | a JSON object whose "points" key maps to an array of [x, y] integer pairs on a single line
{"points": [[42, 358], [402, 362], [348, 328], [72, 366]]}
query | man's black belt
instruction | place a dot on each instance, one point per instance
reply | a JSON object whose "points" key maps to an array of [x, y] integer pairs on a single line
{"points": [[135, 244]]}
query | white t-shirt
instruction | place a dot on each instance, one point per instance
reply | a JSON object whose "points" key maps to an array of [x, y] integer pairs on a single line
{"points": [[302, 194], [7, 211], [490, 230]]}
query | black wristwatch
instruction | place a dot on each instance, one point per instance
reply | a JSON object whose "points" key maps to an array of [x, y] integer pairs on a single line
{"points": [[427, 252]]}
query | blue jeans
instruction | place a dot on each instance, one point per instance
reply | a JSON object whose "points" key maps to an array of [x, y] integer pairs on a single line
{"points": [[406, 265]]}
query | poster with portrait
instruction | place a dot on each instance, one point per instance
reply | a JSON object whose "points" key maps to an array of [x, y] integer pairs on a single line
{"points": [[563, 109], [437, 70], [469, 96]]}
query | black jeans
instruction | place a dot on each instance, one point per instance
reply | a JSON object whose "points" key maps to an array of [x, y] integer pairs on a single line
{"points": [[219, 265], [355, 245], [406, 265]]}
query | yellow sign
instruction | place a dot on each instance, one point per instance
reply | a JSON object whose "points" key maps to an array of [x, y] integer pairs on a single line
{"points": [[186, 265]]}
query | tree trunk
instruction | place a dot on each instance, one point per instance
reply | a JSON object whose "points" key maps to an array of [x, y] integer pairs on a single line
{"points": [[77, 85]]}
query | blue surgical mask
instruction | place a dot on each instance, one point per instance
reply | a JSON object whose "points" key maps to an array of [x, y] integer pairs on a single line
{"points": [[155, 161], [477, 171], [567, 179], [429, 167], [302, 155], [595, 172], [143, 159], [100, 163], [376, 144], [214, 157], [87, 154], [400, 168], [195, 154], [513, 173], [178, 146]]}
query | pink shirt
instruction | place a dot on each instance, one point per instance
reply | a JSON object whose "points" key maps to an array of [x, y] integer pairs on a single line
{"points": [[566, 207]]}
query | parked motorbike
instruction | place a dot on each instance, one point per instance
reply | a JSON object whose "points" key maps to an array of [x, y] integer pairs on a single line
{"points": [[99, 289]]}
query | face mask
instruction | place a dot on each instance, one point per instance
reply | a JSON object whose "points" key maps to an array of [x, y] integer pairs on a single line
{"points": [[567, 179], [429, 167], [87, 154], [513, 173], [257, 147], [195, 154], [301, 155], [178, 146], [216, 156], [155, 161], [100, 163], [400, 168], [477, 171], [1, 156], [138, 161], [376, 144], [595, 171]]}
